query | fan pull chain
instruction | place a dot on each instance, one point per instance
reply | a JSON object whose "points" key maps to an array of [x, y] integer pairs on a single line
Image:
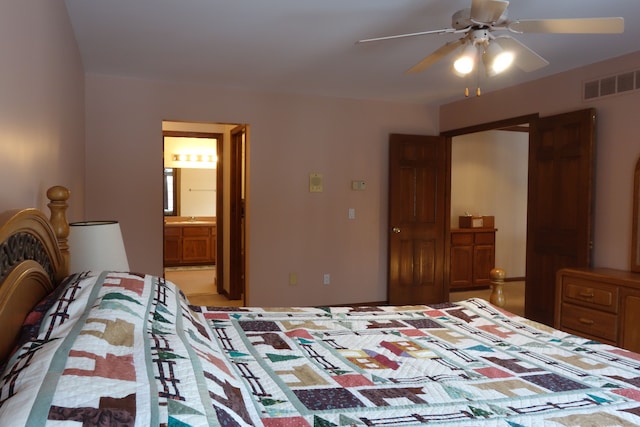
{"points": [[466, 91], [478, 91]]}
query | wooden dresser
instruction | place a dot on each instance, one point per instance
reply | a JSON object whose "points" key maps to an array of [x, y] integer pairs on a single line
{"points": [[599, 303], [473, 254]]}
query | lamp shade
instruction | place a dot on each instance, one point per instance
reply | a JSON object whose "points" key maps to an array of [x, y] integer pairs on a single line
{"points": [[96, 246]]}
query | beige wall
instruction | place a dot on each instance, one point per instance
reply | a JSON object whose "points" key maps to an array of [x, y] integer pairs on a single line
{"points": [[290, 229], [618, 145], [41, 106]]}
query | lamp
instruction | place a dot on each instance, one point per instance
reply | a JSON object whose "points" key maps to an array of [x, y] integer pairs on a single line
{"points": [[465, 62], [96, 246], [496, 59]]}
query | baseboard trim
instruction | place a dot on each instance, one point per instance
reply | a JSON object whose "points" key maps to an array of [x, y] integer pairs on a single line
{"points": [[358, 304]]}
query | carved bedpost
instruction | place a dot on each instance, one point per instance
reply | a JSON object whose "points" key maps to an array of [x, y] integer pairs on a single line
{"points": [[58, 196], [497, 280]]}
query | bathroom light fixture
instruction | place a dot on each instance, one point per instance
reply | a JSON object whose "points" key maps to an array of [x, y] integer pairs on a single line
{"points": [[209, 158]]}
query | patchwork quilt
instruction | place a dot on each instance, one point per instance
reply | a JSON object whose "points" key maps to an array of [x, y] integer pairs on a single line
{"points": [[128, 350], [120, 349], [464, 364]]}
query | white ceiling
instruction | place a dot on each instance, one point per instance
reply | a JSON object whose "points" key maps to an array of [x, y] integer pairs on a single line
{"points": [[308, 46]]}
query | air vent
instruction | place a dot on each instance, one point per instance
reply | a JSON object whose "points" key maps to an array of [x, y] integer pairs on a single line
{"points": [[625, 82], [612, 85]]}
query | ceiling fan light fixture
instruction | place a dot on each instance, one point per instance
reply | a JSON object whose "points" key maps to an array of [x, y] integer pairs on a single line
{"points": [[496, 59], [502, 62], [464, 64]]}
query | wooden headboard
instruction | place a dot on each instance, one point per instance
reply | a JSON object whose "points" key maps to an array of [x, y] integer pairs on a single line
{"points": [[34, 258]]}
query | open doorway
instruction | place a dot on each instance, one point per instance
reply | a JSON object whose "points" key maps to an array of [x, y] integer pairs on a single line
{"points": [[489, 178], [559, 207], [559, 201], [197, 182]]}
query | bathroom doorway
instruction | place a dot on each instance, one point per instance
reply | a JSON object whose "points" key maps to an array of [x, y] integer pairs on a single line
{"points": [[196, 187]]}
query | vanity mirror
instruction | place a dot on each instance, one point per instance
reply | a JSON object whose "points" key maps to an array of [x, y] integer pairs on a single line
{"points": [[635, 229]]}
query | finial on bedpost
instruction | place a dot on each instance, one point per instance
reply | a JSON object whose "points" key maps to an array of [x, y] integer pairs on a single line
{"points": [[58, 196], [497, 276]]}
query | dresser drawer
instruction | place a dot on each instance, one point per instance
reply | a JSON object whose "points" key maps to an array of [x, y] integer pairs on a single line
{"points": [[590, 294], [591, 322], [461, 238], [485, 238]]}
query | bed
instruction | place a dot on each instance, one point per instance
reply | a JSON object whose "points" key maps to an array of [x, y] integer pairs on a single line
{"points": [[125, 348]]}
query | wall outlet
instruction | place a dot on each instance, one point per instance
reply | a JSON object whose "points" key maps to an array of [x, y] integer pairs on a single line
{"points": [[326, 279], [293, 279]]}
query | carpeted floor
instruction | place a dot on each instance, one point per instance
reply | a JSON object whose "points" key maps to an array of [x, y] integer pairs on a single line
{"points": [[513, 294], [199, 286]]}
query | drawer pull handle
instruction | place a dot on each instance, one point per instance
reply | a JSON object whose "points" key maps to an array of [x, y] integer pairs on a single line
{"points": [[586, 294], [585, 321]]}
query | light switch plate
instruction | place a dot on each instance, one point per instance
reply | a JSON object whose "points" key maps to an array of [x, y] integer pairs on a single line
{"points": [[315, 183]]}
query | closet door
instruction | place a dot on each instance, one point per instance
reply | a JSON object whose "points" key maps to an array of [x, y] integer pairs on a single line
{"points": [[559, 218]]}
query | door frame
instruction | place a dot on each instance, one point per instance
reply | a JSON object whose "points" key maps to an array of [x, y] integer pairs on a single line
{"points": [[219, 191], [559, 253], [518, 123], [237, 212]]}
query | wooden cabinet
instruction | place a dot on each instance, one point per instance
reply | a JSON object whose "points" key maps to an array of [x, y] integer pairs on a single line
{"points": [[472, 257], [601, 304], [189, 244], [172, 245]]}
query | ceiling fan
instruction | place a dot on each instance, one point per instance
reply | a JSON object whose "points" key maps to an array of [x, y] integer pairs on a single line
{"points": [[478, 24]]}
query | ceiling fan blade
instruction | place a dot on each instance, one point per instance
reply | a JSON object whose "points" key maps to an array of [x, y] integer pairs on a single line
{"points": [[569, 26], [487, 10], [437, 55], [525, 59], [399, 36]]}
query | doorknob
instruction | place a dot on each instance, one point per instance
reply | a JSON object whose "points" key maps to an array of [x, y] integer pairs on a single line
{"points": [[396, 230]]}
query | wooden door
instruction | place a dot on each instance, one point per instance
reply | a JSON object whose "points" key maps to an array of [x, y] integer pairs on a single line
{"points": [[237, 214], [418, 219], [559, 213]]}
